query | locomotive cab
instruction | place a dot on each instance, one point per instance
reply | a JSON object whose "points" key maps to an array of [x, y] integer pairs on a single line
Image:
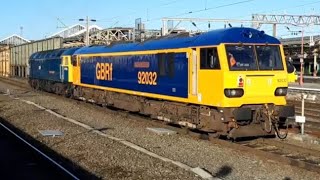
{"points": [[258, 71], [255, 85]]}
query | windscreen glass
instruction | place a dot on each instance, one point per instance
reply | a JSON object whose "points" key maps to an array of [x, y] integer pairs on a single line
{"points": [[241, 57], [254, 57], [269, 58]]}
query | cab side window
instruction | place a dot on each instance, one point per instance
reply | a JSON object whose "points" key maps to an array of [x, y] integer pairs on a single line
{"points": [[65, 61], [209, 58], [74, 60], [290, 67]]}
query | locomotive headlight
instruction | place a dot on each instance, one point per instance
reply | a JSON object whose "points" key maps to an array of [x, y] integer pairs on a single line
{"points": [[281, 91], [232, 93]]}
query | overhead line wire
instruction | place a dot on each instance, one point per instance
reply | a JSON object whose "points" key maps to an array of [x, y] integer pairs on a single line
{"points": [[153, 7], [216, 7], [205, 9], [301, 5]]}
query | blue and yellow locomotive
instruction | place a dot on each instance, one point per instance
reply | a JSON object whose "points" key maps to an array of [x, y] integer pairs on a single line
{"points": [[230, 82]]}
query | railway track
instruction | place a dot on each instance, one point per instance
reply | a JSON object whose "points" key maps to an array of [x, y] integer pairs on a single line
{"points": [[297, 90], [311, 114], [311, 111], [287, 153], [51, 167], [20, 84], [310, 79], [266, 149]]}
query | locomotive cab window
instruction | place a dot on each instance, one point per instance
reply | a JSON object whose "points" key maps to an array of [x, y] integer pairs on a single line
{"points": [[241, 57], [65, 61], [209, 58], [269, 58], [290, 67], [74, 61]]}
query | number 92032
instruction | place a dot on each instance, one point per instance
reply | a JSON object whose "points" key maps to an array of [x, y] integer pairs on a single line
{"points": [[147, 78]]}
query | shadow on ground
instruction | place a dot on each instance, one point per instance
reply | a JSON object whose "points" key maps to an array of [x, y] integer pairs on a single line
{"points": [[65, 162]]}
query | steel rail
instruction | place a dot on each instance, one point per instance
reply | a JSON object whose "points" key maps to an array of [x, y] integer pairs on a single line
{"points": [[40, 152]]}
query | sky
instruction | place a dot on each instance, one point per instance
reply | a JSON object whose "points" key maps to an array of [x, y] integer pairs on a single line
{"points": [[39, 18]]}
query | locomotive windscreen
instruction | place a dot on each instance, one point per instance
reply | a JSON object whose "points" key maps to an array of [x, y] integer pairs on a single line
{"points": [[254, 57]]}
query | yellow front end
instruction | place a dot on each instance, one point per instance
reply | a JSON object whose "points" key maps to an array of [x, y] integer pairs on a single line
{"points": [[258, 85], [66, 63], [292, 77], [246, 84]]}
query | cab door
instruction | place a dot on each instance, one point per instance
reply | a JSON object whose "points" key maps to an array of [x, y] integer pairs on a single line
{"points": [[63, 70], [194, 73], [76, 69], [210, 76]]}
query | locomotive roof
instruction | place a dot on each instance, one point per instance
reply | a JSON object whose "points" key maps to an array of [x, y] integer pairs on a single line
{"points": [[55, 53], [211, 38], [69, 51]]}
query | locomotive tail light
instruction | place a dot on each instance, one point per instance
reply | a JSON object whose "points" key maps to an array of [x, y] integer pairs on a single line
{"points": [[281, 91], [240, 81], [232, 93]]}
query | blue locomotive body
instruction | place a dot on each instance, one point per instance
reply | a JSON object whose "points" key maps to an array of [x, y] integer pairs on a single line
{"points": [[165, 74], [46, 65], [49, 65]]}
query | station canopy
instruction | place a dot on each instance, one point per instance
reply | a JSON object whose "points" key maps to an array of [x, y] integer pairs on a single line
{"points": [[13, 40], [75, 30]]}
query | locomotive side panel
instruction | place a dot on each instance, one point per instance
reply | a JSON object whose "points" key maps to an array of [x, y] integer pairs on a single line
{"points": [[46, 68], [162, 74]]}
